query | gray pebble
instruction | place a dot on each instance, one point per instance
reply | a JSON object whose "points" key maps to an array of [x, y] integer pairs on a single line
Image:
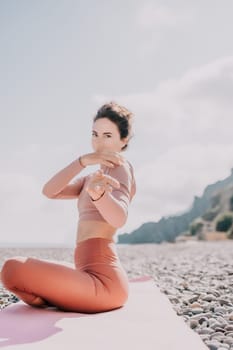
{"points": [[209, 297], [193, 323], [220, 309], [197, 310], [205, 330], [212, 346]]}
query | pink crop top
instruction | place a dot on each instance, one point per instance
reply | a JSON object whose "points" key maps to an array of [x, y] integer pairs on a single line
{"points": [[111, 207]]}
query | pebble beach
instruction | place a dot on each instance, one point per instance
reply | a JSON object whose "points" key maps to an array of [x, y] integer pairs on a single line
{"points": [[196, 276]]}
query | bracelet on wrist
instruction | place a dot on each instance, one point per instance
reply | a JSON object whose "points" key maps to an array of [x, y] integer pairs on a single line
{"points": [[93, 200]]}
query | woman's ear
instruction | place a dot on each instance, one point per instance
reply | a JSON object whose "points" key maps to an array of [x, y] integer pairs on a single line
{"points": [[124, 143], [125, 140]]}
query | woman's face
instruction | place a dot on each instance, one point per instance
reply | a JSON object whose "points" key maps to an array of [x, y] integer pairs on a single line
{"points": [[106, 136]]}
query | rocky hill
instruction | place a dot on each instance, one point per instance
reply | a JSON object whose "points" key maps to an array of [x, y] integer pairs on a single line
{"points": [[217, 198]]}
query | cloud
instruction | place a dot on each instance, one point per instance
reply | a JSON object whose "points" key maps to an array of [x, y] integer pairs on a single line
{"points": [[153, 21], [182, 143], [27, 216], [183, 133]]}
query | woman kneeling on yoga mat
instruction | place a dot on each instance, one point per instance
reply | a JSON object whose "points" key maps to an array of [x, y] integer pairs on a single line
{"points": [[96, 281]]}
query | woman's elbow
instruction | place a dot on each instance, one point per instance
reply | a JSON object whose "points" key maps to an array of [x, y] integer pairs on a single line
{"points": [[46, 193], [119, 221]]}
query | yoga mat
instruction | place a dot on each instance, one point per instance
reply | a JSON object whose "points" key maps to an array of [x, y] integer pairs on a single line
{"points": [[147, 321]]}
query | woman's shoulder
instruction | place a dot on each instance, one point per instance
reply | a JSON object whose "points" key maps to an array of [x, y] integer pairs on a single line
{"points": [[133, 181], [126, 166], [123, 173], [130, 165]]}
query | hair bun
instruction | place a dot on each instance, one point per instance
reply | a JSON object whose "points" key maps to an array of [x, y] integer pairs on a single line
{"points": [[121, 110]]}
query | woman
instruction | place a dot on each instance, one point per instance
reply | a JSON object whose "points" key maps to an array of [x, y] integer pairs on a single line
{"points": [[96, 281]]}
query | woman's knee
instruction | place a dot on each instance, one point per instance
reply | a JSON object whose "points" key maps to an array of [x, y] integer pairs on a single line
{"points": [[9, 270]]}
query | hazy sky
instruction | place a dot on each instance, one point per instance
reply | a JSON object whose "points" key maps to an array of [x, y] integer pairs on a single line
{"points": [[169, 62]]}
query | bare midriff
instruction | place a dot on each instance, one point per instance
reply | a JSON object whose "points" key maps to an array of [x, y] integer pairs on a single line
{"points": [[94, 228]]}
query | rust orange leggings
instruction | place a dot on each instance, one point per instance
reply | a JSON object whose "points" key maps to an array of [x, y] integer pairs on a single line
{"points": [[95, 282]]}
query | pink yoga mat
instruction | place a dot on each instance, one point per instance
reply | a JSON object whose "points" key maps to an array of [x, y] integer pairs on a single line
{"points": [[147, 321]]}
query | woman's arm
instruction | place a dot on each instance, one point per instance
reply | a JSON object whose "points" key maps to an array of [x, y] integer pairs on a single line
{"points": [[59, 182]]}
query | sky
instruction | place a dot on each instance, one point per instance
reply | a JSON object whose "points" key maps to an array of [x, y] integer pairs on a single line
{"points": [[169, 62]]}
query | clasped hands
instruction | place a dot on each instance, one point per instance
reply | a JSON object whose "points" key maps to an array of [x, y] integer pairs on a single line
{"points": [[99, 183]]}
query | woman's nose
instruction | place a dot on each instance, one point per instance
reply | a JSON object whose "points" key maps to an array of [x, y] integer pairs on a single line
{"points": [[99, 143], [98, 146]]}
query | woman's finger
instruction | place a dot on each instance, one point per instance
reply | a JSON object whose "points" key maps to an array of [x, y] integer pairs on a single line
{"points": [[112, 181], [110, 158], [95, 187], [108, 188], [100, 177], [98, 174]]}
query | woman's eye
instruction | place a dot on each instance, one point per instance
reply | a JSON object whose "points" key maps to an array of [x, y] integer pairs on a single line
{"points": [[105, 135]]}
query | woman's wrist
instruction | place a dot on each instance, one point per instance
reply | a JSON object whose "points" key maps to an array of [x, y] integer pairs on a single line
{"points": [[98, 197]]}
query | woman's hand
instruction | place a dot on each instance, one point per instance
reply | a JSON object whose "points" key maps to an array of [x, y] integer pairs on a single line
{"points": [[108, 158], [100, 183]]}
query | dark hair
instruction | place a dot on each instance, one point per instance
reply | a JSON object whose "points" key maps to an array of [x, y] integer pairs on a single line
{"points": [[119, 115]]}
